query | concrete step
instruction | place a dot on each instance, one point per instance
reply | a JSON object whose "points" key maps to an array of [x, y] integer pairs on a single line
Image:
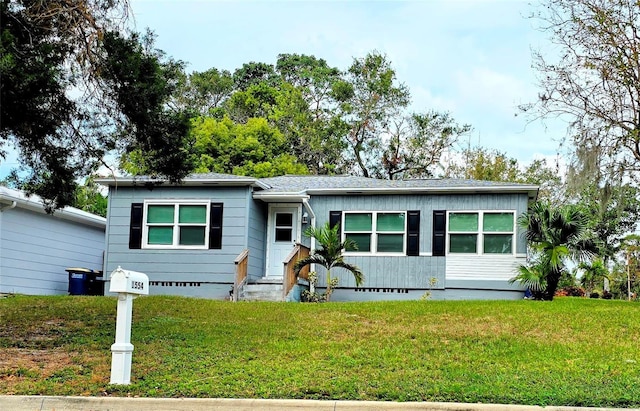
{"points": [[263, 287], [262, 292], [262, 296]]}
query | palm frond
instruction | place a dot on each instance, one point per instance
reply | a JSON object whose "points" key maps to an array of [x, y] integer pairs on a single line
{"points": [[530, 277], [311, 259], [357, 274], [329, 251]]}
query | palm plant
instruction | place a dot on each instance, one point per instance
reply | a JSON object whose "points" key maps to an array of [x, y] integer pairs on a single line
{"points": [[556, 234], [593, 274], [532, 277], [329, 253]]}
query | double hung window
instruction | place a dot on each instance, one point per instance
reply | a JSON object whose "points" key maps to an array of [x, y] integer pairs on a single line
{"points": [[176, 225], [481, 232], [376, 232]]}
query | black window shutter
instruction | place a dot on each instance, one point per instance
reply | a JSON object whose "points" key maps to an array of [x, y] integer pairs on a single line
{"points": [[335, 217], [215, 226], [135, 226], [413, 232], [439, 232]]}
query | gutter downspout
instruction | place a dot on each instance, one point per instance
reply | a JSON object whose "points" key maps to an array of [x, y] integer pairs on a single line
{"points": [[305, 201], [9, 207]]}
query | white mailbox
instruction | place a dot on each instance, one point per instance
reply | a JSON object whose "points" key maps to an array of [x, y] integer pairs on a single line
{"points": [[130, 282]]}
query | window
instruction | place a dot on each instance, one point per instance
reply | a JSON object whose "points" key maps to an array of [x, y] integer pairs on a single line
{"points": [[284, 227], [484, 232], [376, 232], [176, 225]]}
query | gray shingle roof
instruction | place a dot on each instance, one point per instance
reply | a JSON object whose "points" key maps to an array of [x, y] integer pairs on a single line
{"points": [[292, 184], [315, 184]]}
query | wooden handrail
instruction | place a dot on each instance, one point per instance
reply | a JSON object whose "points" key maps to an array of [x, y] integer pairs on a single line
{"points": [[289, 278], [241, 262]]}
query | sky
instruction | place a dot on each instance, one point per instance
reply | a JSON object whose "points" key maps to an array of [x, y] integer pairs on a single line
{"points": [[471, 58]]}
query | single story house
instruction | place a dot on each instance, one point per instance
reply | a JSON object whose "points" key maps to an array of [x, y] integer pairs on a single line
{"points": [[36, 248], [214, 233]]}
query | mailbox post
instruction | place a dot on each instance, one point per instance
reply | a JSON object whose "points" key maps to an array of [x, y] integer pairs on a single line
{"points": [[128, 285]]}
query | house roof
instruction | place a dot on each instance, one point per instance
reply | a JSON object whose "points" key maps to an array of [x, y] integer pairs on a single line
{"points": [[10, 198], [292, 187], [327, 185]]}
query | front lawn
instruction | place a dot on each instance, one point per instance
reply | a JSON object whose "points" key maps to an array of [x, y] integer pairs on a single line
{"points": [[566, 352]]}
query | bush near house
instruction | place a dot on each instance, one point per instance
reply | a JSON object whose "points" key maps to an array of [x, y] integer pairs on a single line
{"points": [[574, 351]]}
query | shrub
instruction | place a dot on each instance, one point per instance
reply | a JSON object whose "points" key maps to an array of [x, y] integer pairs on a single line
{"points": [[571, 291]]}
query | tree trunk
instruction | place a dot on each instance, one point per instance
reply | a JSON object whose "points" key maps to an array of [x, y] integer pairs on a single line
{"points": [[552, 285], [328, 290]]}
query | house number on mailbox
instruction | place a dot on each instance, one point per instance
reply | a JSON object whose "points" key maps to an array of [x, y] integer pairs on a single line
{"points": [[137, 285]]}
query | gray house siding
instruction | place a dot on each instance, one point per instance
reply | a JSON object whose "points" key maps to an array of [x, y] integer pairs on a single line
{"points": [[399, 277], [205, 273], [257, 237], [35, 250]]}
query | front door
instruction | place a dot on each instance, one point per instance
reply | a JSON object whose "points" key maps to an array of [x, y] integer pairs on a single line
{"points": [[283, 236]]}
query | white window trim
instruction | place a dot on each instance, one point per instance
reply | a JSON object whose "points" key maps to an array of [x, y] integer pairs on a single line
{"points": [[481, 233], [176, 225], [374, 233]]}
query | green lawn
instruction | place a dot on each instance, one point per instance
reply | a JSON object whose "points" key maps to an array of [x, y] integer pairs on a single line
{"points": [[566, 352]]}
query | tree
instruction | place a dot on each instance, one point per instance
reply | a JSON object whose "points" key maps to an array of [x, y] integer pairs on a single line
{"points": [[316, 130], [61, 95], [593, 82], [547, 177], [140, 86], [251, 74], [625, 276], [370, 97], [593, 274], [329, 254], [382, 139], [205, 92], [480, 163], [417, 143], [89, 198], [613, 212], [254, 149], [556, 234]]}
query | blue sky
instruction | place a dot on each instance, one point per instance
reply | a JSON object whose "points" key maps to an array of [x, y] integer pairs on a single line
{"points": [[469, 57]]}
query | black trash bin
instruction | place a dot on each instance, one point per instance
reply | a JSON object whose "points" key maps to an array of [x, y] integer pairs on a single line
{"points": [[95, 283], [80, 280]]}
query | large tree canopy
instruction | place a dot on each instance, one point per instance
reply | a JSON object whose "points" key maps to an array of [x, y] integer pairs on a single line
{"points": [[330, 121], [591, 78], [77, 87], [73, 88]]}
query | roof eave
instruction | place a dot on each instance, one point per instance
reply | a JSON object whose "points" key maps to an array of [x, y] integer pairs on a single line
{"points": [[66, 213], [530, 190], [281, 197], [187, 182]]}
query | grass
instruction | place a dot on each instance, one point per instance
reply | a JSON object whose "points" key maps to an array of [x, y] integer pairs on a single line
{"points": [[575, 352]]}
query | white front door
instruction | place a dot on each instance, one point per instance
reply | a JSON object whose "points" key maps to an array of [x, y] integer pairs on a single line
{"points": [[282, 237]]}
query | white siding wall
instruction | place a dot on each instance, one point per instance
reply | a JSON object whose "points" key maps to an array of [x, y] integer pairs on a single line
{"points": [[36, 248], [482, 267]]}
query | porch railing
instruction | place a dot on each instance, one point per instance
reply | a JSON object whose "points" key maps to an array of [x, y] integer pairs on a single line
{"points": [[241, 261], [289, 278]]}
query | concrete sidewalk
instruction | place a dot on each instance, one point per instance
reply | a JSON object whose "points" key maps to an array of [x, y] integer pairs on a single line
{"points": [[45, 403]]}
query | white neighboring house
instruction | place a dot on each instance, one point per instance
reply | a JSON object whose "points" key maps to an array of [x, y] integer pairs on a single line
{"points": [[36, 247]]}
